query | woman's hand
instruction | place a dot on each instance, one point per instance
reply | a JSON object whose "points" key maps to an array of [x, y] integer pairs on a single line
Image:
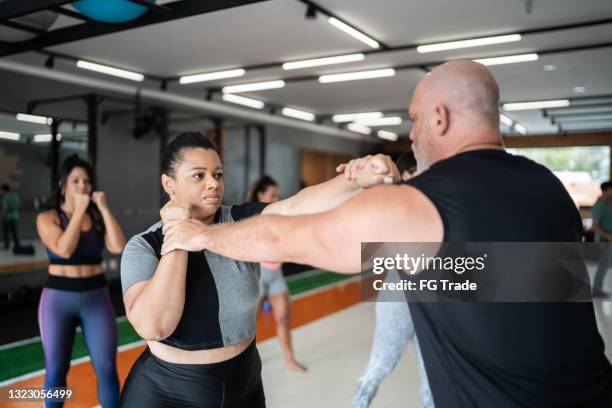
{"points": [[81, 202], [99, 199], [175, 211]]}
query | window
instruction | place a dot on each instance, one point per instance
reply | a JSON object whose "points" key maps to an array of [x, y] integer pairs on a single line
{"points": [[581, 169]]}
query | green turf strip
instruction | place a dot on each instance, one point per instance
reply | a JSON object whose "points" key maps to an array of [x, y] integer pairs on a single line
{"points": [[27, 358]]}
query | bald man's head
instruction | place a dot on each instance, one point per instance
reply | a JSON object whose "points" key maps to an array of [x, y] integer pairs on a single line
{"points": [[456, 104]]}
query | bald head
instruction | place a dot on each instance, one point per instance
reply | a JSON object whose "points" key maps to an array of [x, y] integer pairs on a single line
{"points": [[467, 88], [455, 106]]}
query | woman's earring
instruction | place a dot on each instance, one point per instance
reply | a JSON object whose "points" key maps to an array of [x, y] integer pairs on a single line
{"points": [[171, 191]]}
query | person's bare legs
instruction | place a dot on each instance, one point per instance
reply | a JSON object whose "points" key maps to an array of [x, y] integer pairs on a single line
{"points": [[281, 309]]}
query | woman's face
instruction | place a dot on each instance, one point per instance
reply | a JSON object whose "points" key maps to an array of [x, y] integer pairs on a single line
{"points": [[77, 182], [268, 196], [198, 181]]}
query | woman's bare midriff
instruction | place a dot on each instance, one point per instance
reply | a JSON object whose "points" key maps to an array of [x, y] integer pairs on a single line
{"points": [[178, 356], [75, 271]]}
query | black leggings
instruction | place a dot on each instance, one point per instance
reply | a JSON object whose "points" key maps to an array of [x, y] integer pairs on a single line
{"points": [[234, 383]]}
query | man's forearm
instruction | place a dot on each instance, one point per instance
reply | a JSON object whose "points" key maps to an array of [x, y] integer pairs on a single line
{"points": [[268, 237], [321, 197]]}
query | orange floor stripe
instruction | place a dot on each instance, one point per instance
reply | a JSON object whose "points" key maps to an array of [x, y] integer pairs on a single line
{"points": [[304, 310]]}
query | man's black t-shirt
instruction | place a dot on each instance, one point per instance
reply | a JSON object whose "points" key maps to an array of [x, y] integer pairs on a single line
{"points": [[508, 354]]}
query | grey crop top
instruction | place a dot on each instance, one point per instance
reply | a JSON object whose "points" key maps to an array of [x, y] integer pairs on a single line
{"points": [[221, 293]]}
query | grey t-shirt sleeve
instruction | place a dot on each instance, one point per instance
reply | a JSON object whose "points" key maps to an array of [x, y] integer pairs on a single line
{"points": [[138, 262]]}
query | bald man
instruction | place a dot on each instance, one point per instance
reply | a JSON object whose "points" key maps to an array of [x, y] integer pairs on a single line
{"points": [[469, 190]]}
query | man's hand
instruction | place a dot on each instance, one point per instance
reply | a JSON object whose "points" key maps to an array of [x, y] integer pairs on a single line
{"points": [[370, 170], [183, 234]]}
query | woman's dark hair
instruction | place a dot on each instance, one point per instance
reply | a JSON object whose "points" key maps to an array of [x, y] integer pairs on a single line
{"points": [[70, 163], [406, 162], [173, 153], [260, 186]]}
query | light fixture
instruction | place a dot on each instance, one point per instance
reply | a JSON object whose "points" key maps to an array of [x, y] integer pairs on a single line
{"points": [[505, 120], [317, 62], [41, 120], [255, 86], [549, 67], [211, 76], [298, 114], [10, 136], [579, 89], [241, 100], [353, 32], [356, 127], [476, 42], [559, 103], [388, 121], [509, 59], [122, 73], [385, 134], [520, 128], [353, 76], [349, 117], [46, 138]]}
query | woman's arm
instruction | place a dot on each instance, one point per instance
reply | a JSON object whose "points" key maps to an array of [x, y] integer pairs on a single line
{"points": [[114, 238], [358, 174], [154, 307], [63, 242]]}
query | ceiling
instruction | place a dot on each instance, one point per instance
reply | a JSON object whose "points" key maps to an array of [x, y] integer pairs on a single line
{"points": [[276, 31]]}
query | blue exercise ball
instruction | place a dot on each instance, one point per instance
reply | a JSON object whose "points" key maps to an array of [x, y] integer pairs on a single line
{"points": [[110, 11]]}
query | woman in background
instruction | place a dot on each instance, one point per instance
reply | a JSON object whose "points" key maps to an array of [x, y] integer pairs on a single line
{"points": [[272, 283]]}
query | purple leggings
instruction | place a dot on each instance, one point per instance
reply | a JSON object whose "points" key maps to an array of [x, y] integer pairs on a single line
{"points": [[59, 314]]}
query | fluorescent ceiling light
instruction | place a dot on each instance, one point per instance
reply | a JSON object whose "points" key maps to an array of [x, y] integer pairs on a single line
{"points": [[34, 119], [356, 127], [298, 114], [122, 73], [579, 89], [241, 100], [510, 59], [211, 76], [560, 103], [505, 120], [10, 136], [352, 76], [476, 42], [46, 138], [388, 121], [353, 32], [349, 117], [317, 62], [520, 128], [255, 86], [385, 134]]}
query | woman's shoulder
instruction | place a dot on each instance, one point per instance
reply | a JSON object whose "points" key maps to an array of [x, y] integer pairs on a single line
{"points": [[49, 215]]}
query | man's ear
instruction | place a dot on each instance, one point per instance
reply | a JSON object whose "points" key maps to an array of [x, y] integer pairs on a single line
{"points": [[442, 120]]}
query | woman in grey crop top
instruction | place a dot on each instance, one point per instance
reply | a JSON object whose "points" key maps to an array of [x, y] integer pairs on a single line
{"points": [[197, 310]]}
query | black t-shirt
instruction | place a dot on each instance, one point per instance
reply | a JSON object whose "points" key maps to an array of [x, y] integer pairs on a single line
{"points": [[508, 354]]}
